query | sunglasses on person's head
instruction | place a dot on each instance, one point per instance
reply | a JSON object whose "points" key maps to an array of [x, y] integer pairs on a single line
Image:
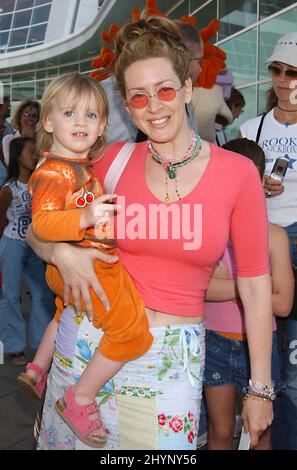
{"points": [[277, 71], [140, 100], [30, 115]]}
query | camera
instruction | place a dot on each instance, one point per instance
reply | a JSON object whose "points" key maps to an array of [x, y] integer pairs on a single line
{"points": [[279, 169]]}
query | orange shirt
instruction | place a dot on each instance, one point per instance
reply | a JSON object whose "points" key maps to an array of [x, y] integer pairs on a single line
{"points": [[60, 188]]}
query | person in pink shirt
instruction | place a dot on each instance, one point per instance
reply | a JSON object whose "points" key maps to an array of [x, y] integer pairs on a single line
{"points": [[181, 200], [227, 365]]}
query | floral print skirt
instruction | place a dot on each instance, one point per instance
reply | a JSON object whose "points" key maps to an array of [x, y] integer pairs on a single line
{"points": [[152, 403]]}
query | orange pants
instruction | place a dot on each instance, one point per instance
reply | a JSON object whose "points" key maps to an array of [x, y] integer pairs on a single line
{"points": [[125, 326]]}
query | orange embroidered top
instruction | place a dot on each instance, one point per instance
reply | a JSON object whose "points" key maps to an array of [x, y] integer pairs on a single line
{"points": [[60, 188]]}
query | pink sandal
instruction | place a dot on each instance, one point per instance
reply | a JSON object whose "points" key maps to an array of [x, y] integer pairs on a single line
{"points": [[77, 417], [33, 388]]}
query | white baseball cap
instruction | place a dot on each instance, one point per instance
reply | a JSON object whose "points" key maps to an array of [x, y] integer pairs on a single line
{"points": [[285, 50]]}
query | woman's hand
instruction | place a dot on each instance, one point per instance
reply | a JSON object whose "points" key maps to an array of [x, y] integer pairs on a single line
{"points": [[76, 267], [257, 415], [273, 187]]}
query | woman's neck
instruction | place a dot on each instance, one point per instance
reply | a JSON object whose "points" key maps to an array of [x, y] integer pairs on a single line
{"points": [[286, 113], [177, 147]]}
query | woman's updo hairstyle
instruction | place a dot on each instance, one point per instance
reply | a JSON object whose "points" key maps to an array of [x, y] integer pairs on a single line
{"points": [[148, 38]]}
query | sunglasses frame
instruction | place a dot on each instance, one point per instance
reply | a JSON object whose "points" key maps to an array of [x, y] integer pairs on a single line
{"points": [[272, 68], [30, 115], [153, 95]]}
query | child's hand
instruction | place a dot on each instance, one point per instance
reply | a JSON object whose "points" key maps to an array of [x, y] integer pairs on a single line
{"points": [[98, 212]]}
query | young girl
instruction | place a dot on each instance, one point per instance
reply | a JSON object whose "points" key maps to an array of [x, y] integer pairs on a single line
{"points": [[17, 261], [68, 206], [227, 357]]}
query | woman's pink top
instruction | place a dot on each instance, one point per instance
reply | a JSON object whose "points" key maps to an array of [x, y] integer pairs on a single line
{"points": [[170, 250], [227, 316]]}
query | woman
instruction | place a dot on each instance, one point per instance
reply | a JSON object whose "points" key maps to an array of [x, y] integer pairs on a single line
{"points": [[276, 133], [24, 121], [154, 403]]}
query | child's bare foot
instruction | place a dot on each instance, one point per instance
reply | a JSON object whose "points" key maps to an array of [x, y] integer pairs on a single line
{"points": [[33, 375]]}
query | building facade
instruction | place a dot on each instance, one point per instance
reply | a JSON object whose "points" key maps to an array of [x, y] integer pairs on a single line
{"points": [[41, 39], [248, 33]]}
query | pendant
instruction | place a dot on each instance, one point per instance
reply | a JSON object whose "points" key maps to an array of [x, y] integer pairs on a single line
{"points": [[287, 124], [171, 172]]}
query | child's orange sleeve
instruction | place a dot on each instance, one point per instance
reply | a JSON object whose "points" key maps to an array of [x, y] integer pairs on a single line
{"points": [[50, 188]]}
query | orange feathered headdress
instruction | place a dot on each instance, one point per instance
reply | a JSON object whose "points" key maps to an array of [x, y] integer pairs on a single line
{"points": [[212, 63]]}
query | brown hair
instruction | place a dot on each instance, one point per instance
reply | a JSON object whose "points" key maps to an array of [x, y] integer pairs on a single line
{"points": [[16, 119], [150, 37], [249, 149], [236, 98], [271, 100], [79, 87]]}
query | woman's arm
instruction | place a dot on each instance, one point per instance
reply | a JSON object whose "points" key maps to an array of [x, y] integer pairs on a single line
{"points": [[221, 287], [255, 294], [76, 267], [220, 290], [281, 271], [5, 201]]}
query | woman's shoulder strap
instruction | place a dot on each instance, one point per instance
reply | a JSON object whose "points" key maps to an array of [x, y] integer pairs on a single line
{"points": [[118, 166], [260, 128]]}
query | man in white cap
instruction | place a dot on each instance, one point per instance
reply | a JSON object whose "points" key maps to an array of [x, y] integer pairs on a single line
{"points": [[276, 133]]}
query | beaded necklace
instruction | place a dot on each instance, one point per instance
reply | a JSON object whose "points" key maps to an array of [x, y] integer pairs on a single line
{"points": [[170, 166]]}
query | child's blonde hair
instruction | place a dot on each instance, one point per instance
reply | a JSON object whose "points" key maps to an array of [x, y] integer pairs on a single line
{"points": [[80, 87]]}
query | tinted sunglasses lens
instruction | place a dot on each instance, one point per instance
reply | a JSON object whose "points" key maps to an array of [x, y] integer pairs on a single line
{"points": [[166, 94], [30, 115], [291, 73], [274, 70], [138, 101]]}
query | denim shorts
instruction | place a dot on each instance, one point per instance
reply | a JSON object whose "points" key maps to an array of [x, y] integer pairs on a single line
{"points": [[227, 362]]}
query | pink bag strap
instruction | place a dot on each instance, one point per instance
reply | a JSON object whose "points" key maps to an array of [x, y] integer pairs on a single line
{"points": [[117, 167]]}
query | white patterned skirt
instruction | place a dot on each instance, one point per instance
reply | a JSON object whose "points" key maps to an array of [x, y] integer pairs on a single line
{"points": [[152, 403]]}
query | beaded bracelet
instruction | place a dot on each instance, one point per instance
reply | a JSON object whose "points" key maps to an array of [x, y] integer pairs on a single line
{"points": [[255, 397], [262, 389]]}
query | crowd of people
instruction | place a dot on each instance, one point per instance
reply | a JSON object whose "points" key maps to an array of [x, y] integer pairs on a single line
{"points": [[171, 284]]}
